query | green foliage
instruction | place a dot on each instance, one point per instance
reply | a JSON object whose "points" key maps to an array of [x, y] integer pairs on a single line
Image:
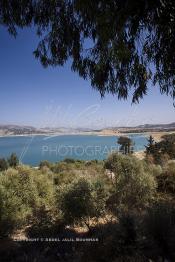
{"points": [[99, 196], [170, 138], [166, 147], [150, 148], [83, 199], [166, 180], [77, 202], [45, 163], [3, 164], [129, 42], [124, 212], [68, 172], [64, 178], [23, 191], [126, 145], [67, 165], [14, 211], [162, 151], [153, 169], [13, 160], [70, 160], [134, 185]]}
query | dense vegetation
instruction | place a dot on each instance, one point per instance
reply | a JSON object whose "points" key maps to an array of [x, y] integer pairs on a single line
{"points": [[162, 151], [12, 161], [120, 45], [126, 145], [125, 203]]}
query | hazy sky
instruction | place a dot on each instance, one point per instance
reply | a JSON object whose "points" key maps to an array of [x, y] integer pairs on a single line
{"points": [[32, 95]]}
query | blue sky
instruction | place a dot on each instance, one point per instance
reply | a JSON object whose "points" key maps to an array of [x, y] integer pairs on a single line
{"points": [[33, 95]]}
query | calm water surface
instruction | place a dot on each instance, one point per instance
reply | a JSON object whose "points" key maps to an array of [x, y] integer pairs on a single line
{"points": [[32, 149]]}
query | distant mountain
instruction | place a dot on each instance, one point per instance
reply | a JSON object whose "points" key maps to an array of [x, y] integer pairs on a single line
{"points": [[18, 130], [148, 128], [171, 125], [15, 127], [28, 130]]}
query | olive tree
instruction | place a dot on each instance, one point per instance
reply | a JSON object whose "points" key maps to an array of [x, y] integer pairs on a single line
{"points": [[134, 185], [83, 200]]}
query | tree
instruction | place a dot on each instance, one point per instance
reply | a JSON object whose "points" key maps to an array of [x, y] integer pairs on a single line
{"points": [[161, 151], [3, 164], [126, 145], [100, 195], [45, 163], [169, 137], [119, 45], [77, 203], [24, 194], [150, 148], [167, 145], [166, 179], [13, 160], [134, 184]]}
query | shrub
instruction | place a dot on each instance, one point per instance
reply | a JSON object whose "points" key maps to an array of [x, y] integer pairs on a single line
{"points": [[77, 203], [3, 164], [45, 163], [134, 186], [99, 197], [161, 151], [166, 180], [149, 158], [155, 170], [14, 211], [69, 160], [13, 160], [126, 144], [169, 137], [60, 167], [22, 192]]}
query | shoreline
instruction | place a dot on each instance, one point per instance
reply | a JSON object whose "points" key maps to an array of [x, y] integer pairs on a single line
{"points": [[140, 154], [156, 134]]}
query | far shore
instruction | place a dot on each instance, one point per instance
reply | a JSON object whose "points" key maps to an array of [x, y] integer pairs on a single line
{"points": [[106, 132]]}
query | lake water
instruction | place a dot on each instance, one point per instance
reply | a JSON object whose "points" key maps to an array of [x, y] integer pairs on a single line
{"points": [[33, 149]]}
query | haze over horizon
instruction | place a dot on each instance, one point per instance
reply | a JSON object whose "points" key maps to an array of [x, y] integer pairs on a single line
{"points": [[57, 97], [79, 127]]}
